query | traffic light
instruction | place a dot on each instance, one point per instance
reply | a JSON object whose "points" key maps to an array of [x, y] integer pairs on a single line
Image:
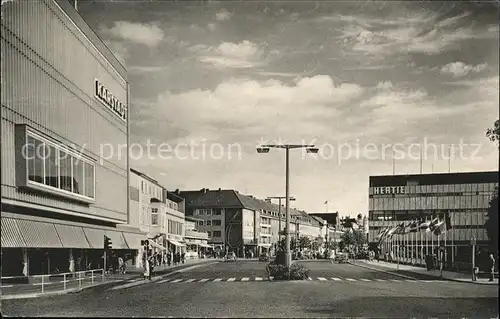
{"points": [[107, 243]]}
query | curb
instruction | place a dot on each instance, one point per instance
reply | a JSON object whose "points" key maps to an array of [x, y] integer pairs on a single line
{"points": [[55, 293], [380, 270]]}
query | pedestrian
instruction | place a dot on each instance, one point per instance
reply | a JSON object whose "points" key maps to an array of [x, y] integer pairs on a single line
{"points": [[146, 269], [169, 259], [120, 265], [71, 267], [492, 267], [183, 257]]}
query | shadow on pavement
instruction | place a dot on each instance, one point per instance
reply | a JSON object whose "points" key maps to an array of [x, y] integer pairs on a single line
{"points": [[405, 307]]}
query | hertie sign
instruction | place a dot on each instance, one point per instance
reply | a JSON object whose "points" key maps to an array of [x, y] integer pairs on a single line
{"points": [[389, 190], [111, 101]]}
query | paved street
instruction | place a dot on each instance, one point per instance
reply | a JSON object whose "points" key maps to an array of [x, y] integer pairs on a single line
{"points": [[312, 298]]}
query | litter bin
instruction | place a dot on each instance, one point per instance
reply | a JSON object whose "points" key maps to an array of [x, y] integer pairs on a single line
{"points": [[429, 262]]}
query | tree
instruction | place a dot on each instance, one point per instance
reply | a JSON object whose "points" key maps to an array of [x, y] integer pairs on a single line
{"points": [[354, 238], [494, 133], [304, 242], [491, 223]]}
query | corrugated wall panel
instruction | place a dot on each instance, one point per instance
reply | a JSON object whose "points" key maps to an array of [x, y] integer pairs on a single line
{"points": [[50, 69]]}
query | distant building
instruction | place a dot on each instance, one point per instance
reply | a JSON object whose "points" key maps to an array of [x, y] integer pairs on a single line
{"points": [[460, 198], [243, 223]]}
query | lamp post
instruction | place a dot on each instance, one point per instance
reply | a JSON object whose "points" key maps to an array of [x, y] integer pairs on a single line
{"points": [[279, 198], [473, 244], [287, 148]]}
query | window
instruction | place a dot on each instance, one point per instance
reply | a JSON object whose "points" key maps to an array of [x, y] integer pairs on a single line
{"points": [[154, 216], [216, 212], [209, 233], [201, 223], [216, 233], [51, 165], [216, 222], [169, 226], [209, 223]]}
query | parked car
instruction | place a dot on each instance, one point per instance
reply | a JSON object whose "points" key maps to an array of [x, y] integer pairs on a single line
{"points": [[341, 258]]}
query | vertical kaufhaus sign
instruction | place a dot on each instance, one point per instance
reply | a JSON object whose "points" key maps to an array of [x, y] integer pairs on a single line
{"points": [[111, 101]]}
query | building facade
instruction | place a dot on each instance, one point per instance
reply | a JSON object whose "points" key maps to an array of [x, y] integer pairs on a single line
{"points": [[157, 213], [196, 241], [463, 198], [243, 223], [64, 116]]}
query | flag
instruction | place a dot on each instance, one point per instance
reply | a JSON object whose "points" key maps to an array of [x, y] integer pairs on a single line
{"points": [[414, 227], [424, 224], [439, 228], [326, 202], [407, 228], [432, 225], [448, 221], [382, 233]]}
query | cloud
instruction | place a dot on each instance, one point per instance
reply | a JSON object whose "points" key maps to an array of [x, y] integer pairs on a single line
{"points": [[223, 15], [245, 54], [240, 109], [459, 69], [419, 34], [147, 34]]}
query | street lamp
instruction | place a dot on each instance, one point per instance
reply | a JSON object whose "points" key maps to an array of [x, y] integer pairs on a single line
{"points": [[279, 198], [265, 149]]}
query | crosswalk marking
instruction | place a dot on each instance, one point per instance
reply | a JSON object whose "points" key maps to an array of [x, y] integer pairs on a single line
{"points": [[323, 279]]}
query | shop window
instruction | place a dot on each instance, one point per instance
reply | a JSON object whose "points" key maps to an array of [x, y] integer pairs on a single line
{"points": [[52, 168]]}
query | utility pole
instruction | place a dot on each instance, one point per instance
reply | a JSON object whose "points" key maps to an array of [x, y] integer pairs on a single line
{"points": [[279, 198], [287, 147]]}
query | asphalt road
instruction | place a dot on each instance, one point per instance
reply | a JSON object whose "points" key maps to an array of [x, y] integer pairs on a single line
{"points": [[310, 298]]}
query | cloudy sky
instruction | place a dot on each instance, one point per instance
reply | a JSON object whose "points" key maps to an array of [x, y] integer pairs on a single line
{"points": [[363, 81]]}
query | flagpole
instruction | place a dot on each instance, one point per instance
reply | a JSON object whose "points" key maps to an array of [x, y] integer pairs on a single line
{"points": [[449, 159], [421, 246], [421, 159], [452, 242], [445, 238], [426, 240], [393, 163]]}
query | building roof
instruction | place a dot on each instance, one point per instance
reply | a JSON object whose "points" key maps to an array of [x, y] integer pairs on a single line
{"points": [[231, 198], [435, 179], [152, 180]]}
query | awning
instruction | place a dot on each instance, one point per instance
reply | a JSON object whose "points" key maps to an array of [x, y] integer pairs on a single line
{"points": [[72, 236], [39, 234], [152, 243], [95, 237], [176, 243], [205, 245], [265, 245], [133, 240], [117, 239], [11, 235]]}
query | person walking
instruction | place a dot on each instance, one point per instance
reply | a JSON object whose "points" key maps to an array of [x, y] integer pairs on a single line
{"points": [[492, 267], [120, 265], [146, 269]]}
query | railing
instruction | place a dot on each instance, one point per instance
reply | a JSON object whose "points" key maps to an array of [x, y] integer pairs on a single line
{"points": [[51, 282]]}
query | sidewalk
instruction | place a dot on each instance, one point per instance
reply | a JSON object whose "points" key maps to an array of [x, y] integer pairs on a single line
{"points": [[57, 286], [447, 275]]}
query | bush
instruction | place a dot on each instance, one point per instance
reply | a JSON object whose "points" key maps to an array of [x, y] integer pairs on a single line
{"points": [[281, 272]]}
